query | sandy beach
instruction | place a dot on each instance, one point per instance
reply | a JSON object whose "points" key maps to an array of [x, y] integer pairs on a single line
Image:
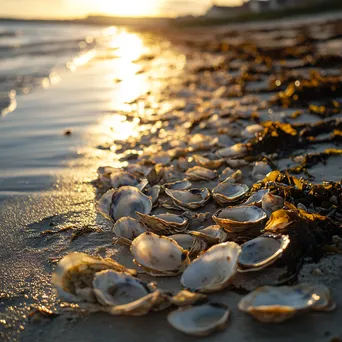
{"points": [[128, 99]]}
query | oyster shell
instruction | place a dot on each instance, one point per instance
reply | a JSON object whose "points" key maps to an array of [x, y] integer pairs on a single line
{"points": [[125, 201], [226, 193], [239, 218], [200, 320], [159, 255], [120, 178], [235, 151], [211, 235], [74, 274], [153, 192], [251, 131], [261, 252], [195, 245], [276, 304], [202, 142], [260, 170], [190, 199], [213, 270], [185, 298], [122, 294], [211, 164], [178, 185], [256, 198], [128, 228], [164, 224], [271, 203], [199, 173]]}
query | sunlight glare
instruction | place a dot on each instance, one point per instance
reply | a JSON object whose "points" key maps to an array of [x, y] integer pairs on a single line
{"points": [[133, 8]]}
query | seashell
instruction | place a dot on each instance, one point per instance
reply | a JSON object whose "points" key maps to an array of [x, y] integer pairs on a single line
{"points": [[190, 199], [325, 302], [271, 203], [276, 304], [200, 320], [236, 163], [239, 218], [122, 294], [153, 192], [261, 252], [161, 157], [159, 255], [213, 270], [74, 274], [202, 142], [260, 170], [183, 184], [138, 170], [227, 172], [211, 235], [185, 163], [193, 244], [104, 171], [211, 164], [235, 151], [255, 199], [251, 131], [120, 178], [125, 201], [164, 224], [185, 298], [128, 228], [234, 177], [226, 193], [199, 173]]}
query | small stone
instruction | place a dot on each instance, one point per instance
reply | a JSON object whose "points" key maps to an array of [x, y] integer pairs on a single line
{"points": [[317, 272]]}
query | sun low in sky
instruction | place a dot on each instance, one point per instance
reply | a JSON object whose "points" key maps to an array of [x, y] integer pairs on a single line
{"points": [[81, 8]]}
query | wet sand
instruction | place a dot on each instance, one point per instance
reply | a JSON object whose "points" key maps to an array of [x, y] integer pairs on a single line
{"points": [[25, 220]]}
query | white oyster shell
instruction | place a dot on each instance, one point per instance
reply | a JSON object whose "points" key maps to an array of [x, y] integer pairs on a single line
{"points": [[227, 192], [199, 173], [125, 201], [200, 320], [159, 255], [128, 228], [190, 199], [213, 270], [212, 234]]}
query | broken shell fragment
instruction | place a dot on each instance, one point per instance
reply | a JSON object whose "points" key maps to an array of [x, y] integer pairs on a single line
{"points": [[211, 235], [261, 252], [159, 255], [122, 294], [239, 218], [164, 224], [190, 199], [200, 320], [125, 201], [276, 304], [193, 244], [128, 228], [227, 193], [185, 298], [213, 270], [199, 173], [271, 203], [74, 274]]}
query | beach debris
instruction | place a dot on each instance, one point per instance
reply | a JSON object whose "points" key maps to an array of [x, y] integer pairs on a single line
{"points": [[159, 255], [200, 320], [211, 235], [186, 298], [213, 270], [67, 132]]}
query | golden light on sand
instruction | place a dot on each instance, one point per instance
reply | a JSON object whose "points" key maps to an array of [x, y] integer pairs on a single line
{"points": [[132, 8]]}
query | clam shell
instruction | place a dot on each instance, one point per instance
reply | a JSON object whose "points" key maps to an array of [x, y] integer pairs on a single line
{"points": [[239, 218], [261, 252], [178, 185], [226, 193], [164, 224], [128, 228], [190, 199], [125, 201], [122, 294], [74, 274], [193, 244], [159, 255], [276, 304], [199, 173], [213, 270], [211, 235], [200, 320]]}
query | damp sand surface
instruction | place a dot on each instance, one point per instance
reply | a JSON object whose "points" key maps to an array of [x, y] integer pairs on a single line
{"points": [[47, 199]]}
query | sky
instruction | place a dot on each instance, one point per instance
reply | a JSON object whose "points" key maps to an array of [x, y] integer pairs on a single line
{"points": [[81, 8]]}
